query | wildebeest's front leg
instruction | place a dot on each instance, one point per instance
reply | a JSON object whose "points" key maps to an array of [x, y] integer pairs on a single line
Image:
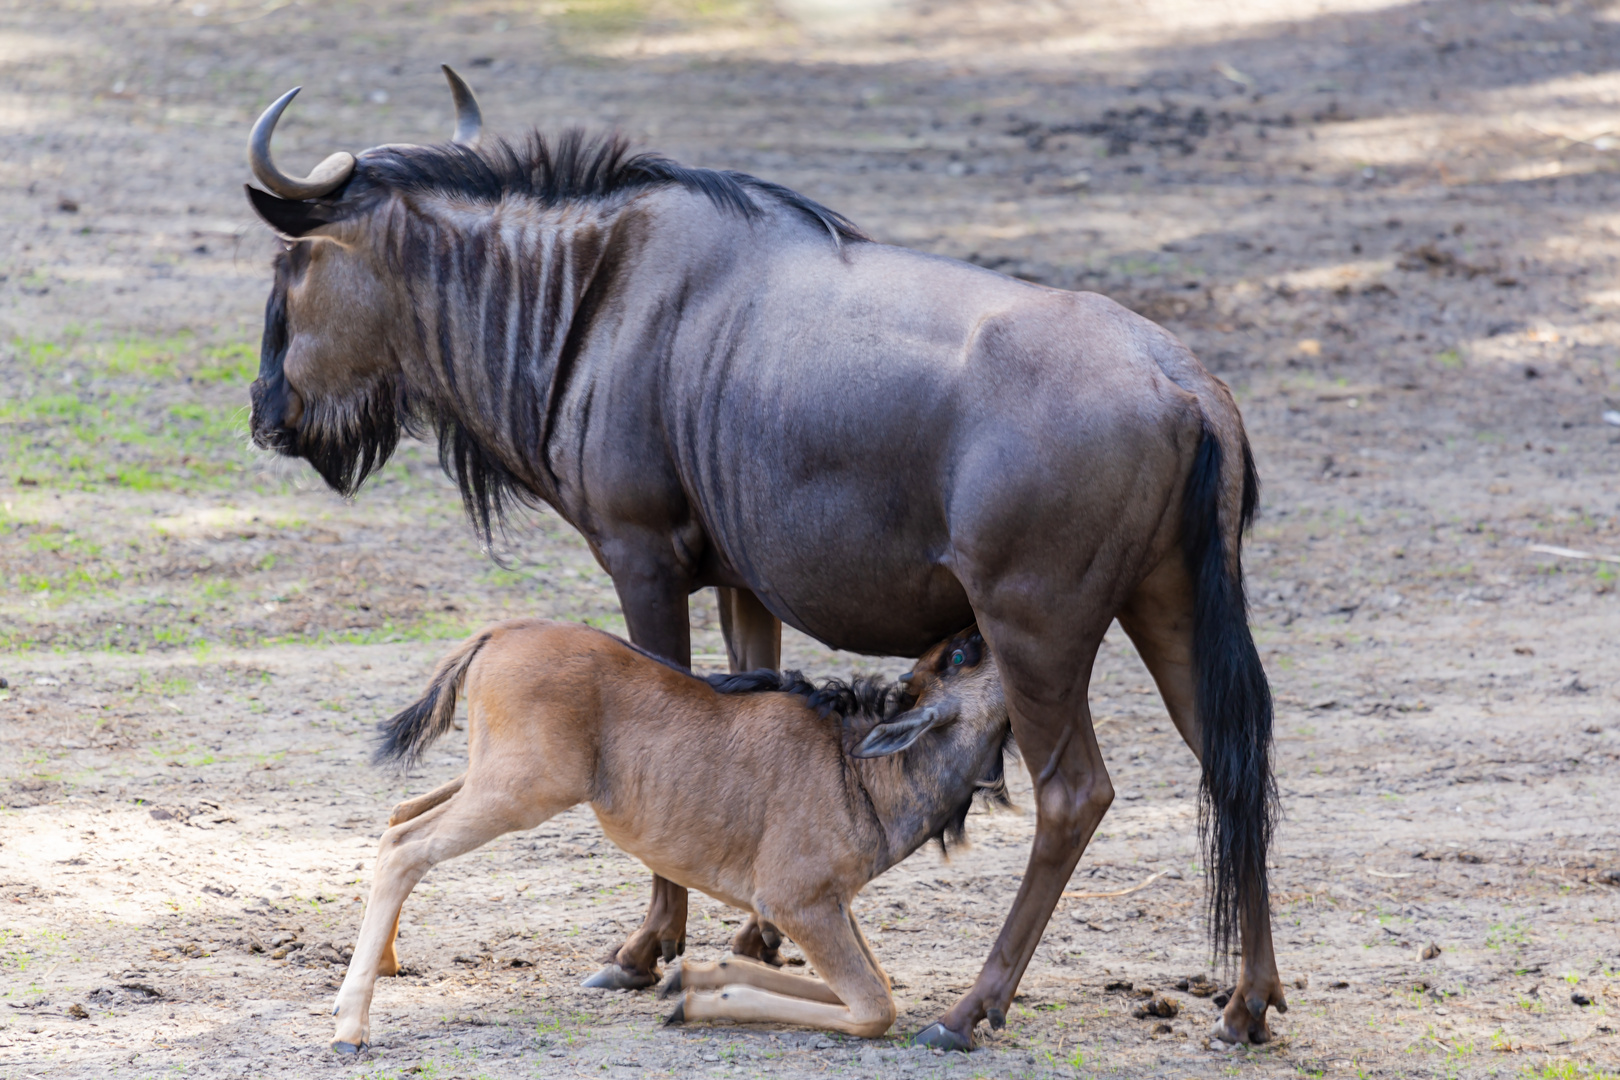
{"points": [[1051, 722], [753, 640], [653, 595]]}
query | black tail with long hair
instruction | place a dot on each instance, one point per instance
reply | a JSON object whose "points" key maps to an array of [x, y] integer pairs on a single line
{"points": [[404, 736], [1237, 808]]}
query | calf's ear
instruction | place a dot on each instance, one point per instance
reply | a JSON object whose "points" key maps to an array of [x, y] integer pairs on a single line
{"points": [[897, 734], [291, 218]]}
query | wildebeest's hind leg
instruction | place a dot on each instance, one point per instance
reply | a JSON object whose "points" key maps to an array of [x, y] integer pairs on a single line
{"points": [[1045, 666], [853, 998], [472, 818], [1161, 617]]}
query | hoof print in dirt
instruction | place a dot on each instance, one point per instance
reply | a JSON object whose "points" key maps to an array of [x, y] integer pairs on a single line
{"points": [[142, 991]]}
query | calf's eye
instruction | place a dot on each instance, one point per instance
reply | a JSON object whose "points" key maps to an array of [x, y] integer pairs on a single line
{"points": [[957, 658]]}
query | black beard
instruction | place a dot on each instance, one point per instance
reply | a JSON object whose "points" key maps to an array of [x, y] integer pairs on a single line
{"points": [[351, 441]]}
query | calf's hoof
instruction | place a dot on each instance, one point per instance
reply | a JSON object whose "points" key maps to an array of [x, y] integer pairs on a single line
{"points": [[942, 1037], [350, 1049], [671, 984], [614, 977], [676, 1017]]}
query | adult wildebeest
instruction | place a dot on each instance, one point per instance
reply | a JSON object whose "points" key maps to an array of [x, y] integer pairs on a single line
{"points": [[770, 794], [722, 383]]}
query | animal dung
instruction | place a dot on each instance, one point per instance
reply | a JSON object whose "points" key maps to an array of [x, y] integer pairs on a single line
{"points": [[1430, 951], [1198, 986], [1163, 1007]]}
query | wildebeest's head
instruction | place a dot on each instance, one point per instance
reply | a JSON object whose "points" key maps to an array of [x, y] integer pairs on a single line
{"points": [[329, 387]]}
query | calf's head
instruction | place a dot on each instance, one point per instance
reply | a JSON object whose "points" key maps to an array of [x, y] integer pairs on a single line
{"points": [[954, 686]]}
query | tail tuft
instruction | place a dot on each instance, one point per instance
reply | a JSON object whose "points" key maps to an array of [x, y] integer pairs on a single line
{"points": [[1237, 810], [404, 737]]}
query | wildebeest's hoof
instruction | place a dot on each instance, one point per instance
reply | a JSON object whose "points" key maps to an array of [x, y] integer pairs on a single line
{"points": [[671, 984], [614, 977], [349, 1048], [676, 1017], [943, 1038]]}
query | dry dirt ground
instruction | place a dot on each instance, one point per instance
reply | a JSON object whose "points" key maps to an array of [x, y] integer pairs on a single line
{"points": [[1391, 226]]}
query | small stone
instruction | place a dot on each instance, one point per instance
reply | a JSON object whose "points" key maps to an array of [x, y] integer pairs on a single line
{"points": [[1430, 951]]}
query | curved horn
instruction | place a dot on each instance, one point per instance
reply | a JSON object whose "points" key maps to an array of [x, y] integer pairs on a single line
{"points": [[326, 177], [469, 121]]}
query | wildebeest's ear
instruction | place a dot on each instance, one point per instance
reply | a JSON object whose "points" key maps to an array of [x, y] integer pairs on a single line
{"points": [[291, 218], [897, 734]]}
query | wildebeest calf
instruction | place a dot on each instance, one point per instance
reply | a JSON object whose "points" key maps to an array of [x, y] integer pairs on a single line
{"points": [[771, 795]]}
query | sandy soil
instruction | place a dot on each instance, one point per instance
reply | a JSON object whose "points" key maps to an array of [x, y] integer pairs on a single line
{"points": [[1390, 226]]}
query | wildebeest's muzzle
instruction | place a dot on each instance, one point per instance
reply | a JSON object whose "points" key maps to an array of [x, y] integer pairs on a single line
{"points": [[277, 407], [275, 415]]}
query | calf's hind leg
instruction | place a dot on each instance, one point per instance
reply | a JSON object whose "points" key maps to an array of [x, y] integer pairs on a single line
{"points": [[469, 819]]}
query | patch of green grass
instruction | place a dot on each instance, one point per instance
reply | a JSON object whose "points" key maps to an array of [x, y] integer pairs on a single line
{"points": [[1568, 1070], [1514, 932], [131, 412], [230, 364]]}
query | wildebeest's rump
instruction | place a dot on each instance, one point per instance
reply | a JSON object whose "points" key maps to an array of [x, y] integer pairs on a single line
{"points": [[770, 794], [721, 383]]}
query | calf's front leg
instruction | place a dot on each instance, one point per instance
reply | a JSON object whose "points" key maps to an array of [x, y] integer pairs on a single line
{"points": [[853, 999]]}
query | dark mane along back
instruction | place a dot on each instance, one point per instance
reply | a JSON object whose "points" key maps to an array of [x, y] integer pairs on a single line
{"points": [[864, 700], [578, 166]]}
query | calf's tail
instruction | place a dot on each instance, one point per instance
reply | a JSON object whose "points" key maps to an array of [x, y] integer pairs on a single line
{"points": [[406, 735], [1237, 809]]}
